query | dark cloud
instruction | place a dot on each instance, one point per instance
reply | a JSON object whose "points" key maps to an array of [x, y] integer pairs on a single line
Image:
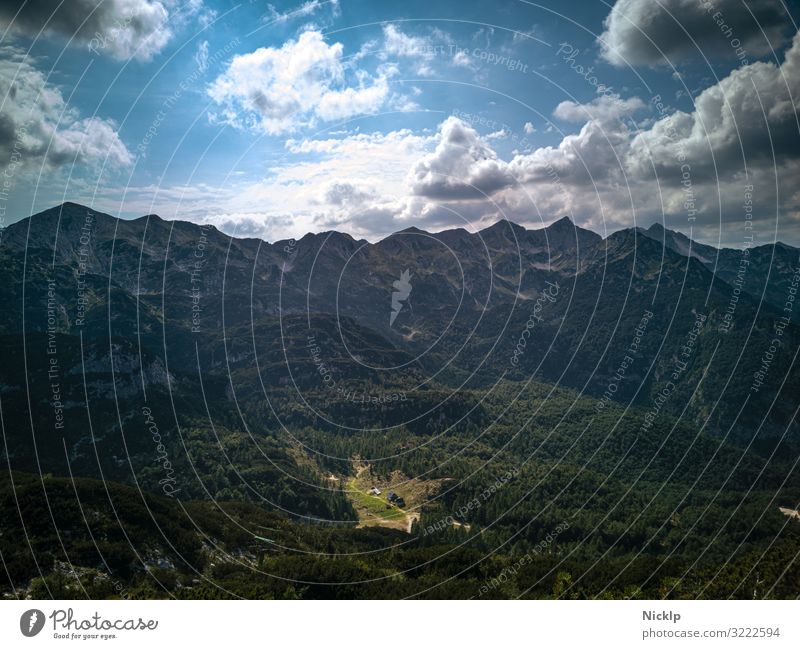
{"points": [[653, 32], [117, 28]]}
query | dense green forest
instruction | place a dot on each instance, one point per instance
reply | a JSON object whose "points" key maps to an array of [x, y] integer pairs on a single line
{"points": [[85, 538], [550, 499]]}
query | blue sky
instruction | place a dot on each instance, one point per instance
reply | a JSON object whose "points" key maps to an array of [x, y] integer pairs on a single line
{"points": [[272, 120]]}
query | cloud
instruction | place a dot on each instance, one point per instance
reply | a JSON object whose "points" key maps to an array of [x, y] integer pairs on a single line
{"points": [[301, 11], [745, 121], [36, 123], [749, 116], [403, 143], [463, 60], [341, 104], [688, 168], [604, 175], [121, 29], [461, 167], [529, 128], [605, 108], [341, 194], [398, 44], [277, 90], [600, 172], [354, 182], [597, 151], [655, 32], [201, 56], [500, 134]]}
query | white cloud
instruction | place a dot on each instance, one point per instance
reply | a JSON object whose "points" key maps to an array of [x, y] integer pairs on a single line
{"points": [[500, 134], [364, 145], [752, 113], [355, 182], [461, 166], [601, 174], [399, 44], [597, 151], [201, 56], [463, 60], [606, 172], [341, 104], [653, 32], [278, 90], [35, 121], [529, 128], [301, 11], [602, 109], [121, 29], [341, 194]]}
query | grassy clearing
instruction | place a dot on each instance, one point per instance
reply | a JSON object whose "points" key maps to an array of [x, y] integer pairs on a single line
{"points": [[372, 509]]}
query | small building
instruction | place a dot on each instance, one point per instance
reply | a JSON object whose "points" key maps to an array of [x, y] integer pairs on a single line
{"points": [[399, 502], [375, 491], [391, 497]]}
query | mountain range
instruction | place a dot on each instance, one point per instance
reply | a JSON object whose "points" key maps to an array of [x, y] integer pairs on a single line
{"points": [[172, 358], [183, 293]]}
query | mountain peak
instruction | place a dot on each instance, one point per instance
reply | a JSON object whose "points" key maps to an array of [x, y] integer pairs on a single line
{"points": [[503, 226], [563, 233], [332, 235], [412, 230], [148, 217], [563, 222]]}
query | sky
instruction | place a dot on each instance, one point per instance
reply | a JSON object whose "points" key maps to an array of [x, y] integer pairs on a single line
{"points": [[272, 120]]}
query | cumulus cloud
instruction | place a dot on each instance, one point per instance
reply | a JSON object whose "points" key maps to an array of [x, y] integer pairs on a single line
{"points": [[341, 194], [462, 166], [605, 108], [749, 117], [118, 28], [604, 174], [742, 131], [278, 90], [36, 124], [601, 172], [341, 104], [352, 182], [653, 32], [597, 151], [747, 120]]}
